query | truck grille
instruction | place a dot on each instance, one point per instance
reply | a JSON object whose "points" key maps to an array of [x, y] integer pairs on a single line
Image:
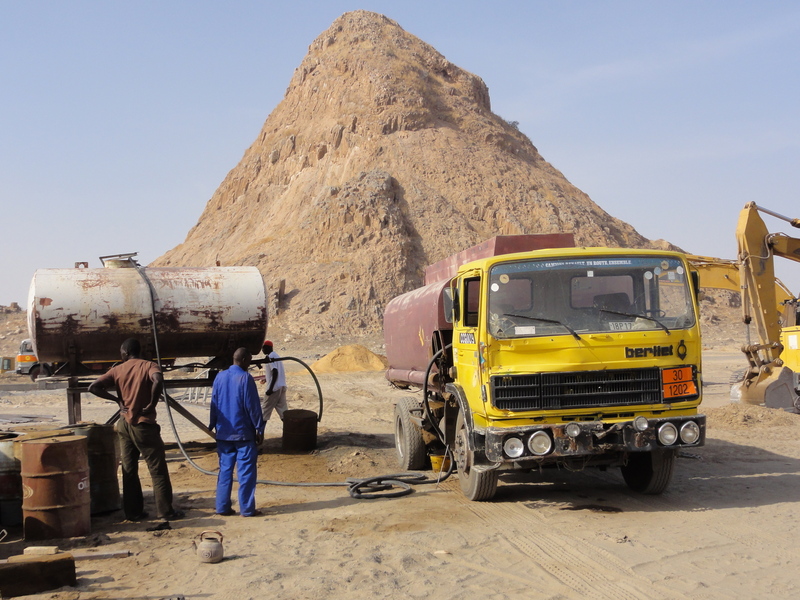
{"points": [[580, 389]]}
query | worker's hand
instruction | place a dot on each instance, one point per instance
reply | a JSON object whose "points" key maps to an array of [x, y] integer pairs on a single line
{"points": [[259, 439]]}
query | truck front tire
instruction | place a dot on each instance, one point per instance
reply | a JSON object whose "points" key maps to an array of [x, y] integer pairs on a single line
{"points": [[408, 442], [477, 484], [35, 372], [649, 472]]}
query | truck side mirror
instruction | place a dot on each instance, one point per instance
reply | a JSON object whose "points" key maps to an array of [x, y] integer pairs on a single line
{"points": [[696, 285], [450, 305]]}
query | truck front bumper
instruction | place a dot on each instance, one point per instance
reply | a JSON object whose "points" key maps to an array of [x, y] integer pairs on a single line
{"points": [[550, 443]]}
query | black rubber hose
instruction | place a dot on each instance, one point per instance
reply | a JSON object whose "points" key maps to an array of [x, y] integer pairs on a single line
{"points": [[313, 376], [429, 415], [158, 361], [369, 488], [359, 488], [425, 404], [169, 410]]}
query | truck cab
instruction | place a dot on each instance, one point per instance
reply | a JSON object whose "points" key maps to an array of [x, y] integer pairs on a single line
{"points": [[26, 358]]}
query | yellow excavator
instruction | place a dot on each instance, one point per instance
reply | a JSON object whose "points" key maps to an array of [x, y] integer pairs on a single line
{"points": [[768, 307]]}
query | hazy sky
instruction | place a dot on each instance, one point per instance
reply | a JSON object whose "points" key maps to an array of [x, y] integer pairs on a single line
{"points": [[119, 120]]}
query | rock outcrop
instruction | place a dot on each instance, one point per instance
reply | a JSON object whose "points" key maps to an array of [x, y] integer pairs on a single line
{"points": [[381, 158]]}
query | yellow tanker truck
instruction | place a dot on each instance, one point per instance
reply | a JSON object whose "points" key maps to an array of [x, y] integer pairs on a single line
{"points": [[557, 357]]}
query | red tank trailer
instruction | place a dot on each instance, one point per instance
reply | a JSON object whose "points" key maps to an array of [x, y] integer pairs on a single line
{"points": [[415, 323]]}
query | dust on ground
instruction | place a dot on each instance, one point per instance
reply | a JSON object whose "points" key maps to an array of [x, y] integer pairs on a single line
{"points": [[726, 528], [745, 416], [723, 529]]}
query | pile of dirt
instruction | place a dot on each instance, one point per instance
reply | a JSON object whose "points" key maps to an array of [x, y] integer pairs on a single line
{"points": [[348, 359], [746, 416], [13, 329], [382, 158]]}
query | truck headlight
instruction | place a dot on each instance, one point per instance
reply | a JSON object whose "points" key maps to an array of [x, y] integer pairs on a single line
{"points": [[540, 443], [513, 447], [690, 432], [573, 430], [667, 434], [640, 423]]}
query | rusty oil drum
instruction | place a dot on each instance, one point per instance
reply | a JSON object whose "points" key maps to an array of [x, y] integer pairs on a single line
{"points": [[299, 430], [55, 487], [103, 465], [10, 484]]}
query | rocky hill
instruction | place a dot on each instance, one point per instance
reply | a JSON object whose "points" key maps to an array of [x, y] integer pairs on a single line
{"points": [[381, 158]]}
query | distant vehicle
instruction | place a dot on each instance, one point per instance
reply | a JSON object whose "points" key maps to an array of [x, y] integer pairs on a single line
{"points": [[26, 358]]}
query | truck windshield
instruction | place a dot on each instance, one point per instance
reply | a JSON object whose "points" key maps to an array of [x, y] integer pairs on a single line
{"points": [[571, 296]]}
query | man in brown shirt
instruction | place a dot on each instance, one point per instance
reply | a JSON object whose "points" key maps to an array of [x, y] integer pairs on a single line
{"points": [[139, 384]]}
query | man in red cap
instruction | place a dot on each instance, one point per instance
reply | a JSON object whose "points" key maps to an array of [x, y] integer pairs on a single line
{"points": [[275, 397]]}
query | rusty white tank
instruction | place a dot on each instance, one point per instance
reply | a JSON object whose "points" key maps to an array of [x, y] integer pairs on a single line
{"points": [[88, 313]]}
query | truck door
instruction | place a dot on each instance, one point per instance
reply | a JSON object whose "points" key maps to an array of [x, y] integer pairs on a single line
{"points": [[467, 356]]}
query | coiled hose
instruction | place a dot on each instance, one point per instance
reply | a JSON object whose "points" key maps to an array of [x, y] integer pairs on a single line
{"points": [[429, 414]]}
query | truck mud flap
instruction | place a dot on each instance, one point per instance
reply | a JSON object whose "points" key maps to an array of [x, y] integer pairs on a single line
{"points": [[476, 440]]}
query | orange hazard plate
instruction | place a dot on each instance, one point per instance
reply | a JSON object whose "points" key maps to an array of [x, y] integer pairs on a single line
{"points": [[678, 382]]}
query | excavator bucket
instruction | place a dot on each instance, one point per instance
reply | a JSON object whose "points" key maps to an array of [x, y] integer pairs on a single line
{"points": [[775, 390]]}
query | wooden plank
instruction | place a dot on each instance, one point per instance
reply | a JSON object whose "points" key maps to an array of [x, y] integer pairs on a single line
{"points": [[23, 575]]}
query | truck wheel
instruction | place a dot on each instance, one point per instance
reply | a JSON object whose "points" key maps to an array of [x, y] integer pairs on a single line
{"points": [[649, 472], [408, 442], [35, 372], [476, 484]]}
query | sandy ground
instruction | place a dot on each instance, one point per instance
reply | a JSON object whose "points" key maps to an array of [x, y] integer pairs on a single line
{"points": [[726, 528]]}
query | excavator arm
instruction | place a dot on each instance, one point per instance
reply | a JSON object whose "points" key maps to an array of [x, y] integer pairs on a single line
{"points": [[723, 274], [768, 306], [768, 380]]}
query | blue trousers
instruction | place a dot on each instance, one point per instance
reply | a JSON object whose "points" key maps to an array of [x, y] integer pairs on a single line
{"points": [[244, 455]]}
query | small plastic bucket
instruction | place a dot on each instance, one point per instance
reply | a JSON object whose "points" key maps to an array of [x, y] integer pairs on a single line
{"points": [[439, 463]]}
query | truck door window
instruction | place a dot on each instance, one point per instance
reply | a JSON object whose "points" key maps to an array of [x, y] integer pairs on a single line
{"points": [[472, 298]]}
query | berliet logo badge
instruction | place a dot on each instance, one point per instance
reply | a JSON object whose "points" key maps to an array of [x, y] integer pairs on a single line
{"points": [[648, 352], [656, 351]]}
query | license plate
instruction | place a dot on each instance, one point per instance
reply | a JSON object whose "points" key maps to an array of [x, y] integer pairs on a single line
{"points": [[678, 382]]}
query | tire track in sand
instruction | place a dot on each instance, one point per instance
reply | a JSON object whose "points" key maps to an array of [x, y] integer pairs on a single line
{"points": [[587, 570]]}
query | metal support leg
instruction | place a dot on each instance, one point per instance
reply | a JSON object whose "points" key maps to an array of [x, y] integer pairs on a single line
{"points": [[73, 401]]}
